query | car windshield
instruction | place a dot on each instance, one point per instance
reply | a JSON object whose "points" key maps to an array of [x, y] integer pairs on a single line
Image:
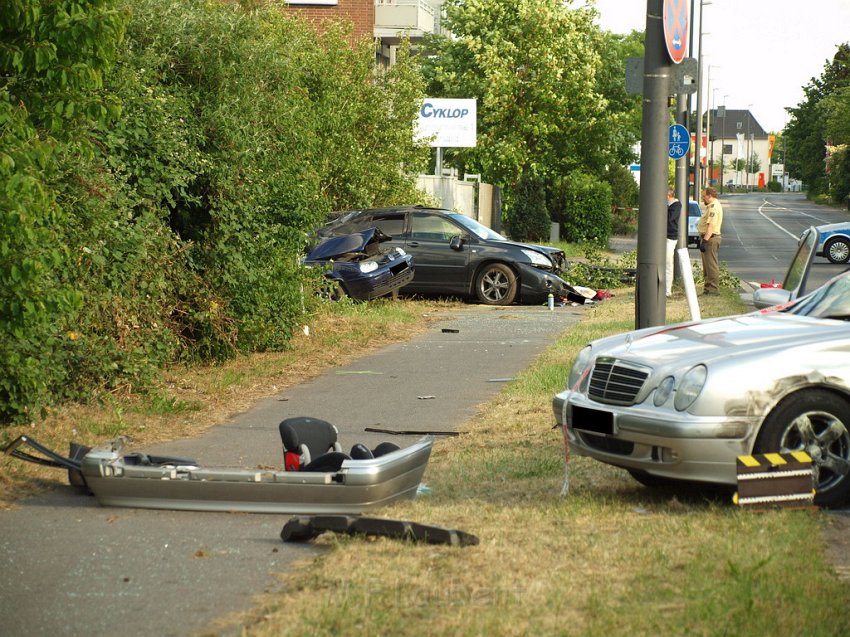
{"points": [[830, 301], [481, 231]]}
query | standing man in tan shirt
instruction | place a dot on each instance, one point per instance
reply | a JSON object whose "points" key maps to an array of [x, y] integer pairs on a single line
{"points": [[708, 227]]}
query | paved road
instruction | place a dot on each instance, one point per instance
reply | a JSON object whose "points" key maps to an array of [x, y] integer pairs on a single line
{"points": [[70, 567], [760, 234]]}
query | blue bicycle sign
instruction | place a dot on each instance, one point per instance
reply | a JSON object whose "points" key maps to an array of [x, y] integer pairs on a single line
{"points": [[679, 141]]}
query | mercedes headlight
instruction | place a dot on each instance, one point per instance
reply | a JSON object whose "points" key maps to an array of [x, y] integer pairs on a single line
{"points": [[690, 387], [582, 361], [662, 393]]}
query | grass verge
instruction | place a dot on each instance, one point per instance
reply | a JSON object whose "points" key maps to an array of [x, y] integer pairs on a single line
{"points": [[609, 558]]}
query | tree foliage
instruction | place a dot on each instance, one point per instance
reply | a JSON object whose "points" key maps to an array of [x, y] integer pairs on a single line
{"points": [[529, 219], [582, 205], [549, 85], [163, 166], [532, 65], [818, 130]]}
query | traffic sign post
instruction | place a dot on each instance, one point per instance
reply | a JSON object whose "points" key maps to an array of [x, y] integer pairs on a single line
{"points": [[678, 141]]}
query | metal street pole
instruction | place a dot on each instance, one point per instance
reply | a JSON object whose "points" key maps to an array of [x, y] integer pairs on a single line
{"points": [[650, 306], [723, 145], [709, 149], [749, 150], [698, 135]]}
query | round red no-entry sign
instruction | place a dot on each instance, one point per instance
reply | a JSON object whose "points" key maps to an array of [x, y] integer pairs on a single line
{"points": [[676, 28]]}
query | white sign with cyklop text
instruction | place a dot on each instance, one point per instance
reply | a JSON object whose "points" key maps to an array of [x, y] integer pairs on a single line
{"points": [[451, 122]]}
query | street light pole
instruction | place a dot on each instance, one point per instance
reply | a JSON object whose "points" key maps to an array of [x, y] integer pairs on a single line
{"points": [[712, 109], [708, 127], [698, 135], [749, 147], [723, 145]]}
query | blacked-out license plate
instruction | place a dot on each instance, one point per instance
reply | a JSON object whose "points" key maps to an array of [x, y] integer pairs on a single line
{"points": [[600, 422]]}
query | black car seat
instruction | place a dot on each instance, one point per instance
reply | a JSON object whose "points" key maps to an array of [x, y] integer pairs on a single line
{"points": [[310, 444], [306, 442]]}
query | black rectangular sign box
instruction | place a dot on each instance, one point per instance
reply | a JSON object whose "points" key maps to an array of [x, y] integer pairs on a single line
{"points": [[772, 480]]}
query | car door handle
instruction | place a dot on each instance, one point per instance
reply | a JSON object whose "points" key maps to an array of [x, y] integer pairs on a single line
{"points": [[413, 244]]}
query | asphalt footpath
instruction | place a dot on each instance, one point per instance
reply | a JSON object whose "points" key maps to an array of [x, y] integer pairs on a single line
{"points": [[69, 566]]}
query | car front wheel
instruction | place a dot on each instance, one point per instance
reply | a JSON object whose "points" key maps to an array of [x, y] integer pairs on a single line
{"points": [[496, 284], [331, 290], [837, 250], [817, 422]]}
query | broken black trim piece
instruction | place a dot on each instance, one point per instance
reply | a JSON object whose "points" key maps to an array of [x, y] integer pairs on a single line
{"points": [[51, 459], [306, 528], [410, 432]]}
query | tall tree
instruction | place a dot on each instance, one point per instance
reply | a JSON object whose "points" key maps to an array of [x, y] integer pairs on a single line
{"points": [[532, 65], [820, 121]]}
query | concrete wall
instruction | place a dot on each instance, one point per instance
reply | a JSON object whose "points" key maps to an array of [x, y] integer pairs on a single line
{"points": [[475, 200], [451, 193]]}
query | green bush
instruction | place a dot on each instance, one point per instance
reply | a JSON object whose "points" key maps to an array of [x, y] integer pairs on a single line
{"points": [[625, 192], [582, 205], [774, 186], [528, 218], [164, 165]]}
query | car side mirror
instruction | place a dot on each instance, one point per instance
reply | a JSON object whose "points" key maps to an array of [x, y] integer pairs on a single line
{"points": [[456, 242], [768, 297]]}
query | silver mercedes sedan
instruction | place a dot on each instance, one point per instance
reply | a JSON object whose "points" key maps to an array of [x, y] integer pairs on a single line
{"points": [[680, 403]]}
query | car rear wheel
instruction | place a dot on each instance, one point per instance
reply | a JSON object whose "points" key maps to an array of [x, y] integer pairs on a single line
{"points": [[817, 422], [837, 250], [496, 284]]}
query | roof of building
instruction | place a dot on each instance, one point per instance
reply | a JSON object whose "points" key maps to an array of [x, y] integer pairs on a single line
{"points": [[735, 121]]}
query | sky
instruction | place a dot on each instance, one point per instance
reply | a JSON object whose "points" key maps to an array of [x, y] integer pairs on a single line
{"points": [[761, 53]]}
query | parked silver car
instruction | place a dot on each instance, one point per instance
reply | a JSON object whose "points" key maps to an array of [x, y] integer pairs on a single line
{"points": [[680, 403]]}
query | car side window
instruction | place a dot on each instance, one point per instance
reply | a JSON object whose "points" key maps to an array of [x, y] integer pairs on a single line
{"points": [[391, 224], [425, 227]]}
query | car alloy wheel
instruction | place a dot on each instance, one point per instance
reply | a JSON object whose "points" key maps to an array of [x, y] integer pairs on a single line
{"points": [[817, 422], [837, 250], [496, 284]]}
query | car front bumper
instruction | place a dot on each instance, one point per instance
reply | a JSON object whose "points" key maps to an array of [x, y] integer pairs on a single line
{"points": [[536, 284], [383, 281], [661, 442]]}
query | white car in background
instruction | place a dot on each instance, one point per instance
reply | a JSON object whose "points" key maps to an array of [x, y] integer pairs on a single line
{"points": [[834, 242]]}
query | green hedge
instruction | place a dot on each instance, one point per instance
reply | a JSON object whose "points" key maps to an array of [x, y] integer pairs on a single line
{"points": [[164, 165], [583, 205]]}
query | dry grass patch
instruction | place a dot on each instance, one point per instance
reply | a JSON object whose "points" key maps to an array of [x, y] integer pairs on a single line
{"points": [[609, 558]]}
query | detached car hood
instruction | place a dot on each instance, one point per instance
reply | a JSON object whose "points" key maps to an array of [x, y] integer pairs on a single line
{"points": [[364, 242], [736, 337]]}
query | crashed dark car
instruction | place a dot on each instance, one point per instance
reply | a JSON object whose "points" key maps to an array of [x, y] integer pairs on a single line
{"points": [[457, 256], [358, 265]]}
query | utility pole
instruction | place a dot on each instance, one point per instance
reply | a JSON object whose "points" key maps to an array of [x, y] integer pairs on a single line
{"points": [[698, 135], [650, 306]]}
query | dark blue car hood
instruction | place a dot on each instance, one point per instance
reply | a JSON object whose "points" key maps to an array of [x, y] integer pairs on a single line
{"points": [[346, 244]]}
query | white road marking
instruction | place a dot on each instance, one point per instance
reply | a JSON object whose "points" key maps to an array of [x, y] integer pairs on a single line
{"points": [[774, 207]]}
